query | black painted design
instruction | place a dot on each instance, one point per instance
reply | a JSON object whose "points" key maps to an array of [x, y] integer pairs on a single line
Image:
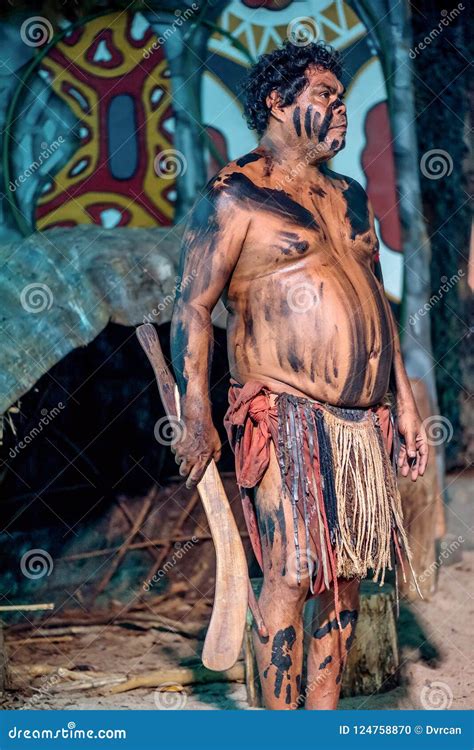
{"points": [[325, 125], [292, 243], [276, 202], [357, 208], [248, 159], [307, 120], [280, 517], [297, 120], [316, 120], [326, 661], [283, 642], [318, 191], [347, 617]]}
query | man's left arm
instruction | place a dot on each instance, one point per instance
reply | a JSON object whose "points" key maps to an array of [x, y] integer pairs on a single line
{"points": [[414, 451]]}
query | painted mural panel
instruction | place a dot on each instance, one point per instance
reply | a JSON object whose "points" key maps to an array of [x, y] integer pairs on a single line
{"points": [[121, 99]]}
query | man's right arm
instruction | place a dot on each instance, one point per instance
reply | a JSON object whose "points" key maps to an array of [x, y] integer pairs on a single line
{"points": [[212, 243]]}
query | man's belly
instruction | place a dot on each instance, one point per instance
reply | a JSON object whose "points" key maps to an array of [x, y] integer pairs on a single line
{"points": [[327, 336]]}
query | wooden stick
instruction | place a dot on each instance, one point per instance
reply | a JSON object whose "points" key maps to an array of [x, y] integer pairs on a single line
{"points": [[181, 676], [166, 550], [125, 546], [160, 542], [25, 607], [40, 639], [97, 682], [226, 628], [145, 620], [126, 512]]}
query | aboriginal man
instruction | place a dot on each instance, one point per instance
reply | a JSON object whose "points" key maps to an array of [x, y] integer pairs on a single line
{"points": [[321, 414]]}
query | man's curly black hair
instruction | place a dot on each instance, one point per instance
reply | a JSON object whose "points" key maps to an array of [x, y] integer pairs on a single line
{"points": [[283, 70]]}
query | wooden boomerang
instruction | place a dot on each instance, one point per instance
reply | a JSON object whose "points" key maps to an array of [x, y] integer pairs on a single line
{"points": [[226, 629]]}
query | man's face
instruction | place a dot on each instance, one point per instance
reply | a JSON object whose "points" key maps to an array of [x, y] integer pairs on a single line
{"points": [[317, 118]]}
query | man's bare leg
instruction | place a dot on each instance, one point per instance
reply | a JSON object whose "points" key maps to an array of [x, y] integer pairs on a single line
{"points": [[330, 646], [279, 657]]}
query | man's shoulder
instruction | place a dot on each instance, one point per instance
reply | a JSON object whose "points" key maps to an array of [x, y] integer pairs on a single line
{"points": [[345, 182], [234, 179]]}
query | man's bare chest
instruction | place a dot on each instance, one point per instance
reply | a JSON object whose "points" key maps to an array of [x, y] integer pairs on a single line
{"points": [[315, 228]]}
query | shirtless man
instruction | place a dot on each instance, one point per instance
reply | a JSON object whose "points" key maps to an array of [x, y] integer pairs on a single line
{"points": [[291, 248]]}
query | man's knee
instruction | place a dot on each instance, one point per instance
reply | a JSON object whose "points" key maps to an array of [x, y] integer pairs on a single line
{"points": [[289, 587]]}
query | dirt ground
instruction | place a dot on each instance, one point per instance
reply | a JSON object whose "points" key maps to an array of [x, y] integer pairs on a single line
{"points": [[437, 670]]}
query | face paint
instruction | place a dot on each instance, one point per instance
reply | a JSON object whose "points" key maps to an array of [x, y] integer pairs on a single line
{"points": [[297, 121], [307, 120]]}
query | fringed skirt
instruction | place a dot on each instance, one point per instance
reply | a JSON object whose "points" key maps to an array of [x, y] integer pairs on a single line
{"points": [[337, 473]]}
